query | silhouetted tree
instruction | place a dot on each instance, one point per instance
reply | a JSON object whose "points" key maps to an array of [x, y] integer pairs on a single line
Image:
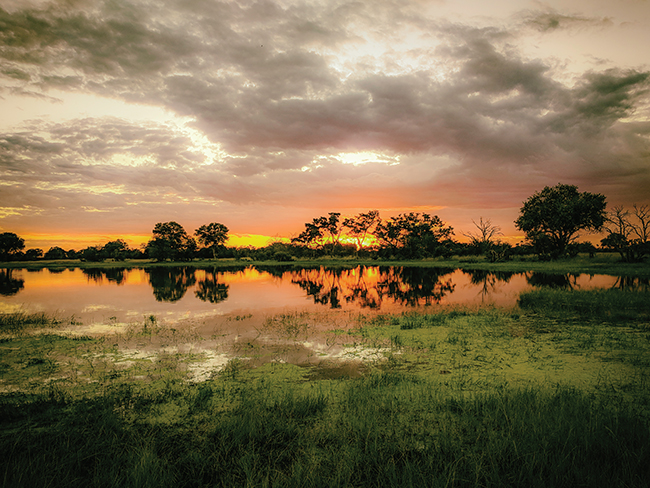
{"points": [[361, 225], [33, 254], [212, 236], [553, 217], [320, 232], [10, 245], [629, 232], [312, 237], [483, 239], [170, 241], [92, 253], [117, 250], [413, 235], [55, 253]]}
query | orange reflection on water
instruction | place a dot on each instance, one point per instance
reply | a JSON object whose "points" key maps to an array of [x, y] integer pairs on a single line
{"points": [[102, 294]]}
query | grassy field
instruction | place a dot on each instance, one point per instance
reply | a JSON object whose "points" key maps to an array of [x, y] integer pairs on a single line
{"points": [[553, 392]]}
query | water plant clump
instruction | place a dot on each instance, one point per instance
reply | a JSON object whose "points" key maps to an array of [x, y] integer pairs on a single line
{"points": [[20, 321]]}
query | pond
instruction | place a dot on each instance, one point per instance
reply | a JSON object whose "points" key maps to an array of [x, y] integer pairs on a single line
{"points": [[102, 295], [213, 316]]}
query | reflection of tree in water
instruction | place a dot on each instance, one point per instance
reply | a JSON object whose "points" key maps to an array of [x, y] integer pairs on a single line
{"points": [[275, 271], [552, 280], [210, 290], [488, 280], [367, 287], [321, 284], [364, 292], [170, 283], [632, 283], [113, 275], [9, 285], [414, 286]]}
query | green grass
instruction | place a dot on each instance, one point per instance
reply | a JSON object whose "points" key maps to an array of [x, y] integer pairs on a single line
{"points": [[387, 429], [553, 392], [611, 305], [19, 321]]}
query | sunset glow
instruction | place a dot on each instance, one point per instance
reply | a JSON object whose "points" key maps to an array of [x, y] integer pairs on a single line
{"points": [[265, 115]]}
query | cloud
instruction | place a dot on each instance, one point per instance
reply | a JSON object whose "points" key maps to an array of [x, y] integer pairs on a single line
{"points": [[550, 19], [274, 92]]}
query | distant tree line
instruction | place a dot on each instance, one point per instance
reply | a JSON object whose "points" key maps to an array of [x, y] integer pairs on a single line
{"points": [[551, 219]]}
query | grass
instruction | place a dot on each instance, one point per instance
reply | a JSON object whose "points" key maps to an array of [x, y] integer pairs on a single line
{"points": [[553, 392], [18, 321], [387, 429], [609, 305]]}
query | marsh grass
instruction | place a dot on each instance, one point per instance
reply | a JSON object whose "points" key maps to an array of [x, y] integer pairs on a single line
{"points": [[611, 305], [550, 393], [290, 324], [387, 429], [20, 321]]}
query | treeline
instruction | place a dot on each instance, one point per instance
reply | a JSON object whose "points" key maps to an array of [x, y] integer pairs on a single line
{"points": [[551, 219]]}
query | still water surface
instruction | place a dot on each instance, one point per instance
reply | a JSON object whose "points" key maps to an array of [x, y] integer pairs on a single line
{"points": [[176, 293]]}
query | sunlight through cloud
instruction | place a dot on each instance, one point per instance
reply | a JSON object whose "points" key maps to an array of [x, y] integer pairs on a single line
{"points": [[365, 157]]}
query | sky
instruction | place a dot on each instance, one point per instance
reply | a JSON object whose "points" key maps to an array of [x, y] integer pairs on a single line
{"points": [[262, 115]]}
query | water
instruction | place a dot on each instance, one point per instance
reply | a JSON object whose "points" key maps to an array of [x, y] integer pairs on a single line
{"points": [[177, 293], [257, 314]]}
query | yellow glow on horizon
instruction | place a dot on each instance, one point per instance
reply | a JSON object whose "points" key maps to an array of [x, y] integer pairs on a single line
{"points": [[82, 241], [79, 241], [255, 240]]}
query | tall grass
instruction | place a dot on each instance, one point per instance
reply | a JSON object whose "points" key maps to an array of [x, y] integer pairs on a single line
{"points": [[606, 304], [385, 430], [17, 321]]}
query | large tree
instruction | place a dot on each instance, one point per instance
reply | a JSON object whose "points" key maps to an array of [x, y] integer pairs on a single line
{"points": [[170, 241], [321, 231], [413, 235], [10, 244], [213, 236], [360, 226], [553, 217], [55, 252]]}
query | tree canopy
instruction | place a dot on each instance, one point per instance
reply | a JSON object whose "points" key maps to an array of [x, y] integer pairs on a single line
{"points": [[413, 235], [170, 241], [10, 244], [361, 225], [553, 217], [213, 236]]}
